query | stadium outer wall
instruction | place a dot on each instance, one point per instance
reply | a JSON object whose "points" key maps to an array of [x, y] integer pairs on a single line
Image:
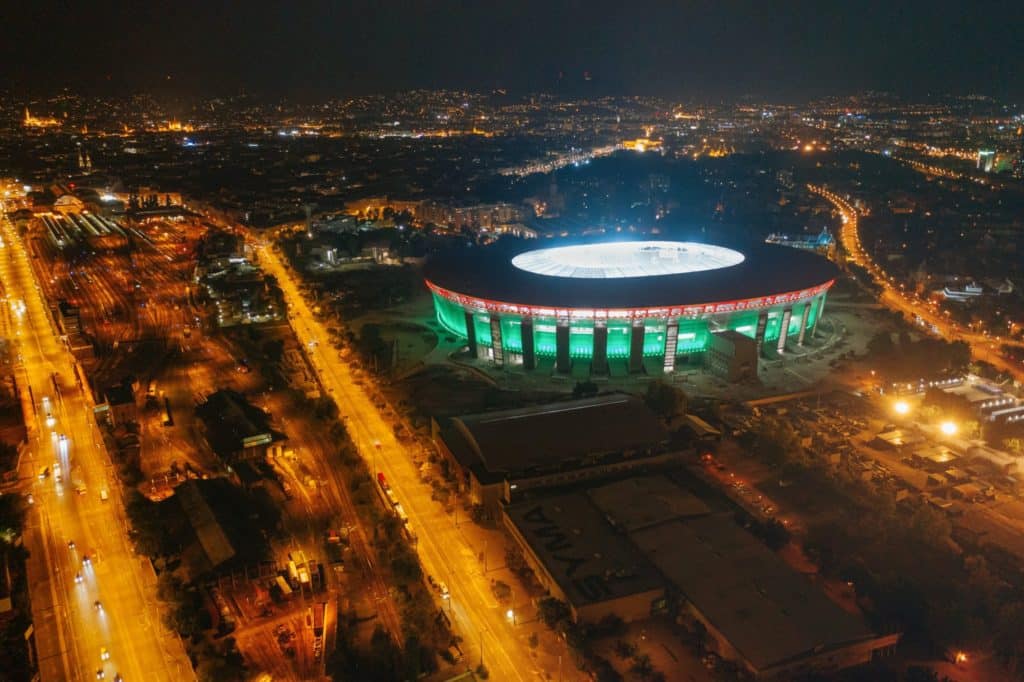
{"points": [[497, 330]]}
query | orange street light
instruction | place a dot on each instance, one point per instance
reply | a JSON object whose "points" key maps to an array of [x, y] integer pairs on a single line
{"points": [[949, 428], [901, 407]]}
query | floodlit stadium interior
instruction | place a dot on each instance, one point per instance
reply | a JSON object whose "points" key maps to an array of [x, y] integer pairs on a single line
{"points": [[626, 259]]}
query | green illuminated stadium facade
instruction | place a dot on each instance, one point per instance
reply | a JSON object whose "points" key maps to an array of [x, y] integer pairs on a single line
{"points": [[508, 332]]}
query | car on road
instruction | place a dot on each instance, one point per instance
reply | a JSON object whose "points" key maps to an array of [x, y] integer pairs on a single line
{"points": [[43, 473], [71, 544], [104, 653], [97, 605], [104, 495], [100, 674], [78, 578], [443, 589]]}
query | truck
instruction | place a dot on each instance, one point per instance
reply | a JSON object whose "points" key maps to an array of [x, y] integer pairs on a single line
{"points": [[298, 560], [225, 619], [318, 630], [293, 573], [318, 620], [283, 586]]}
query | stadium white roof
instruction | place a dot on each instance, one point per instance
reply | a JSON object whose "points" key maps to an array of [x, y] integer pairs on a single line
{"points": [[626, 259]]}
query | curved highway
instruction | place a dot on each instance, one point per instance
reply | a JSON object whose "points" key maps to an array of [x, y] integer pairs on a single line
{"points": [[982, 346]]}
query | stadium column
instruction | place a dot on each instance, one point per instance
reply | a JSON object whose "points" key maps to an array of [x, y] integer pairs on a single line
{"points": [[636, 345], [563, 363], [470, 332], [817, 318], [787, 315], [762, 325], [599, 361], [497, 350], [526, 331], [803, 322], [671, 343]]}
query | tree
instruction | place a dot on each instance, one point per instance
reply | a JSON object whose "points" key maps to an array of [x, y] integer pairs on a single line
{"points": [[584, 389], [405, 565], [12, 517], [930, 526], [502, 592], [384, 654], [778, 443], [274, 350], [624, 649], [642, 666], [881, 345], [1009, 635], [919, 673], [551, 611], [149, 532], [665, 400], [325, 408], [8, 456]]}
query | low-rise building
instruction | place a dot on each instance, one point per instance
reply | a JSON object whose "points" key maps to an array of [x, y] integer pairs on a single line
{"points": [[581, 560], [235, 429], [120, 401], [639, 545], [758, 610], [732, 356], [497, 456]]}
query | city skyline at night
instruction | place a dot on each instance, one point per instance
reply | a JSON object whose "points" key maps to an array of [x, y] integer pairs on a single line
{"points": [[393, 341]]}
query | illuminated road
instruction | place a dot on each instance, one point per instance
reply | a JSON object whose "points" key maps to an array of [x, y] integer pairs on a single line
{"points": [[70, 630], [442, 548], [982, 346]]}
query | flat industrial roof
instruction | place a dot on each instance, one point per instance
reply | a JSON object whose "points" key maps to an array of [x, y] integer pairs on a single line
{"points": [[542, 437], [232, 422], [488, 273], [579, 549], [898, 438], [209, 532], [766, 610], [937, 454], [644, 501]]}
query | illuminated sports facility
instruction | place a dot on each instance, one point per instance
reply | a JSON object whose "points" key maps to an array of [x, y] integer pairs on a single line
{"points": [[631, 300]]}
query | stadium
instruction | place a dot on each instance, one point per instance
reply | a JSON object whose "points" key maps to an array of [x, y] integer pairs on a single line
{"points": [[631, 300]]}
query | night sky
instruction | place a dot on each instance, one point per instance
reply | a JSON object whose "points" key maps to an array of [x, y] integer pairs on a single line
{"points": [[779, 50]]}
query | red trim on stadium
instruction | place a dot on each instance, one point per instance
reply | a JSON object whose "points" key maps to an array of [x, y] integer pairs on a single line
{"points": [[693, 311]]}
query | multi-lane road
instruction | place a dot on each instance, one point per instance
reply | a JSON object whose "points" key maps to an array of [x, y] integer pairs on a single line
{"points": [[443, 550], [983, 347], [93, 616]]}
